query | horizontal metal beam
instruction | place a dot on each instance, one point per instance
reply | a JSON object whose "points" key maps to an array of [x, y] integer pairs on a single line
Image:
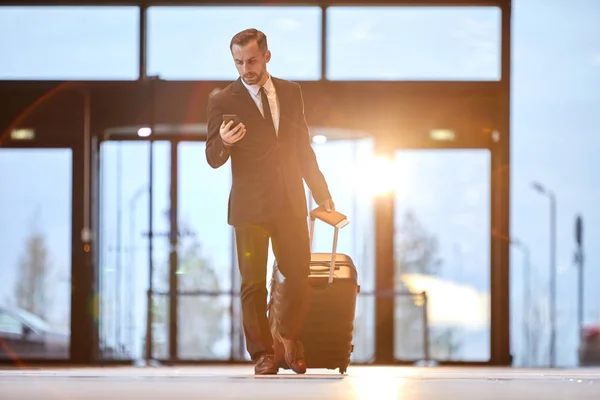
{"points": [[410, 110], [419, 87], [230, 3]]}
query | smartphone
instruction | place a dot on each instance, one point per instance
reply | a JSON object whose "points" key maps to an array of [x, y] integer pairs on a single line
{"points": [[231, 117]]}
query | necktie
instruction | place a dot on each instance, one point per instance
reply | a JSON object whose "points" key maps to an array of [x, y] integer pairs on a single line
{"points": [[266, 108]]}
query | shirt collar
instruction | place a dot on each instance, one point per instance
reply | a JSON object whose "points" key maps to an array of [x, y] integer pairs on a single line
{"points": [[254, 89]]}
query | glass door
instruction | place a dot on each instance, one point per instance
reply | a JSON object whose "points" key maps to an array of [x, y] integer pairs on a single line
{"points": [[194, 307], [126, 249], [208, 313], [442, 247], [196, 310]]}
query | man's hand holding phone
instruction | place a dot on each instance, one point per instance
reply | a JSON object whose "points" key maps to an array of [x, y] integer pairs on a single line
{"points": [[231, 130]]}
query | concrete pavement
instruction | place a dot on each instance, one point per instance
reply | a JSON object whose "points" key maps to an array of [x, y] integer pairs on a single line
{"points": [[238, 382]]}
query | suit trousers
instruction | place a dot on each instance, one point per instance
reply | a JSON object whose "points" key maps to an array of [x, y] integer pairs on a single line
{"points": [[290, 239]]}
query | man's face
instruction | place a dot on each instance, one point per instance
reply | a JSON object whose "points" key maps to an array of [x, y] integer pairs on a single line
{"points": [[251, 63]]}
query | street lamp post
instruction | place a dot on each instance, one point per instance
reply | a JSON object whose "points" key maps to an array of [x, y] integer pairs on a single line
{"points": [[544, 191], [579, 262]]}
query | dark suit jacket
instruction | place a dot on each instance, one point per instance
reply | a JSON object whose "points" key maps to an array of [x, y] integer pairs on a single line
{"points": [[265, 167]]}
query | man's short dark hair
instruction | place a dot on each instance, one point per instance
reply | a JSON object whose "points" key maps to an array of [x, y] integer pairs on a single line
{"points": [[246, 36]]}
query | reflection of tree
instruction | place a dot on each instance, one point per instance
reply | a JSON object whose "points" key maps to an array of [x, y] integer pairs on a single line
{"points": [[445, 343], [538, 326], [200, 324], [417, 253], [33, 280], [200, 317]]}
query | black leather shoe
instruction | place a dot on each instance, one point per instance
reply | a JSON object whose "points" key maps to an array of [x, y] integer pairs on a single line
{"points": [[265, 365]]}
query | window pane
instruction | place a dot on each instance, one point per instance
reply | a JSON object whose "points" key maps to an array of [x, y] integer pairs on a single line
{"points": [[35, 243], [413, 43], [69, 43], [124, 254], [442, 246], [206, 258], [193, 42], [555, 77]]}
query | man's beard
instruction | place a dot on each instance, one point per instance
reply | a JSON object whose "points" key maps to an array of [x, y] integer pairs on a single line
{"points": [[253, 79]]}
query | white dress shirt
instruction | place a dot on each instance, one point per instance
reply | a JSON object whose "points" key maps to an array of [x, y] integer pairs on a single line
{"points": [[254, 91]]}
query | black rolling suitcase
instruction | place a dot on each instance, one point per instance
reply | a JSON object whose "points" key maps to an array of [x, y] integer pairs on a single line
{"points": [[328, 329]]}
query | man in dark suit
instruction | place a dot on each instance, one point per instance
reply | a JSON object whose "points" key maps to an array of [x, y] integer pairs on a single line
{"points": [[271, 154]]}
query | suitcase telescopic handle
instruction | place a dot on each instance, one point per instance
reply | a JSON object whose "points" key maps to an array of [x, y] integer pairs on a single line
{"points": [[336, 231]]}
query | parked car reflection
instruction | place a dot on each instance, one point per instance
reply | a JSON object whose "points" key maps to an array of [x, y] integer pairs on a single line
{"points": [[25, 335], [589, 351]]}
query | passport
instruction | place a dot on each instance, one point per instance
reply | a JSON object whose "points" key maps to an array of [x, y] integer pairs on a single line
{"points": [[333, 218]]}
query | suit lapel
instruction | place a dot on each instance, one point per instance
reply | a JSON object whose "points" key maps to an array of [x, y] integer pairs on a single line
{"points": [[242, 95]]}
